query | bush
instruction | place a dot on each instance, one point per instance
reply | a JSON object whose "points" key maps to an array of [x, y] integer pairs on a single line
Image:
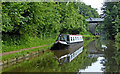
{"points": [[117, 37]]}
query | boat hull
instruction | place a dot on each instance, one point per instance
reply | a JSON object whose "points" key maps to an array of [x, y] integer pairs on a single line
{"points": [[60, 46]]}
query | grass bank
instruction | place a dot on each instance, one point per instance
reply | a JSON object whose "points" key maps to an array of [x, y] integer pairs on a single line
{"points": [[32, 43], [25, 52], [35, 42]]}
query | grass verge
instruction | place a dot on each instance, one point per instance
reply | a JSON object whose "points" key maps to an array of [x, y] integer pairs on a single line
{"points": [[32, 43], [22, 53]]}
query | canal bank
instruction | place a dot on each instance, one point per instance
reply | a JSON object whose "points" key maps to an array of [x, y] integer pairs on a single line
{"points": [[22, 52], [85, 42], [95, 57]]}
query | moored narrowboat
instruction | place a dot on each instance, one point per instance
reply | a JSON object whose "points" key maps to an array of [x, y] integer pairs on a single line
{"points": [[65, 39]]}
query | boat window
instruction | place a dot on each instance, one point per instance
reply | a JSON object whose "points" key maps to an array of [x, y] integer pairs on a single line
{"points": [[71, 38], [68, 38], [62, 38]]}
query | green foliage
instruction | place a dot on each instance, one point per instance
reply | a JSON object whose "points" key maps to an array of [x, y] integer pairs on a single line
{"points": [[23, 21], [28, 44], [86, 10], [117, 53], [88, 37], [36, 18], [117, 37], [112, 18]]}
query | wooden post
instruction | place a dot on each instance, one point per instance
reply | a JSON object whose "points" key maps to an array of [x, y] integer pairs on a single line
{"points": [[23, 57], [38, 53], [16, 59], [43, 51], [27, 55], [7, 62]]}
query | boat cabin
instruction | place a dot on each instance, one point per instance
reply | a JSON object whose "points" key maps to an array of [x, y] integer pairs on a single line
{"points": [[67, 39]]}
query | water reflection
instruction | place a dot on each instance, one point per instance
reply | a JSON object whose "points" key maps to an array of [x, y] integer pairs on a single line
{"points": [[94, 46], [67, 53], [69, 57], [112, 57], [107, 54], [95, 67], [96, 51], [96, 55]]}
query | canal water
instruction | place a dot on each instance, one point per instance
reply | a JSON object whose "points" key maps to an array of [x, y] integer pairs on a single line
{"points": [[99, 55]]}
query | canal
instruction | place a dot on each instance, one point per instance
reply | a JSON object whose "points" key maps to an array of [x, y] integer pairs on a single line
{"points": [[99, 55]]}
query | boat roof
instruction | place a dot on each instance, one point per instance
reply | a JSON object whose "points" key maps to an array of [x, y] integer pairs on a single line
{"points": [[75, 35], [71, 34]]}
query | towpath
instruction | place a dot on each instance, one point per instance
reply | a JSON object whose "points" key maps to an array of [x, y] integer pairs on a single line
{"points": [[6, 53]]}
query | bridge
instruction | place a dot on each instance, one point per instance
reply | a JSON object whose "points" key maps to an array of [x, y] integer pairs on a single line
{"points": [[94, 22]]}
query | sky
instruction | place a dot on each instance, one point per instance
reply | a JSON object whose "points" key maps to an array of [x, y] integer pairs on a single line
{"points": [[94, 4]]}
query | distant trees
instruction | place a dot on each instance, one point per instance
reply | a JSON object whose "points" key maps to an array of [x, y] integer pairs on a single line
{"points": [[23, 19], [112, 27], [112, 18]]}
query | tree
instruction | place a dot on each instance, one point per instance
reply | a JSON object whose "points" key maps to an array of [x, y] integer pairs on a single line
{"points": [[111, 19], [30, 19]]}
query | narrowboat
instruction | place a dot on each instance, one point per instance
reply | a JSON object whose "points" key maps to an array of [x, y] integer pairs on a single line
{"points": [[65, 39]]}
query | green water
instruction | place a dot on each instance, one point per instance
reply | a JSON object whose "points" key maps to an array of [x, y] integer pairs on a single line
{"points": [[93, 58]]}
